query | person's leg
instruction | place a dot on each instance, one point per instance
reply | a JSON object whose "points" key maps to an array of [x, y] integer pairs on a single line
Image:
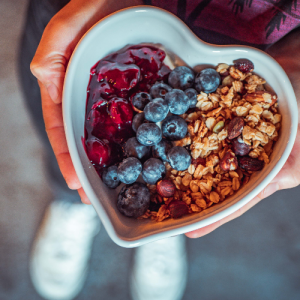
{"points": [[160, 270], [62, 247]]}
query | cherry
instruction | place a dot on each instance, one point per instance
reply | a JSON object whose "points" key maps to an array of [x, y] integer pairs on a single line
{"points": [[121, 114], [105, 90], [111, 120], [120, 111], [94, 118], [149, 61], [98, 122], [122, 77], [98, 152], [121, 57]]}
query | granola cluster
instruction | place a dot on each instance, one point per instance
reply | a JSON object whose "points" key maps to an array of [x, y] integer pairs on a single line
{"points": [[241, 113]]}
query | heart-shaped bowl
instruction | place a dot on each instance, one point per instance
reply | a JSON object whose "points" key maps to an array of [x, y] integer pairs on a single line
{"points": [[145, 24]]}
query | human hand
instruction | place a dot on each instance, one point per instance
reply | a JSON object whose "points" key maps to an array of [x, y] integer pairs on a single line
{"points": [[49, 66], [287, 54]]}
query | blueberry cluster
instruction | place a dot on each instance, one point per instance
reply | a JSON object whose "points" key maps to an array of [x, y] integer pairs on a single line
{"points": [[157, 124]]}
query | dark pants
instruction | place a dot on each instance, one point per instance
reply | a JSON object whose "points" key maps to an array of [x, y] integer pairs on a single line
{"points": [[38, 15]]}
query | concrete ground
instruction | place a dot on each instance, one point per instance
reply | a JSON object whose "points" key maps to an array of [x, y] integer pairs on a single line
{"points": [[256, 256]]}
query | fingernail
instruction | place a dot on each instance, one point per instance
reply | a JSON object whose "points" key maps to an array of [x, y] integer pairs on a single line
{"points": [[53, 92]]}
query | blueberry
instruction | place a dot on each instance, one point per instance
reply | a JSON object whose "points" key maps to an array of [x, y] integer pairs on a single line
{"points": [[161, 149], [149, 134], [159, 90], [181, 78], [133, 200], [153, 170], [137, 120], [178, 102], [192, 95], [110, 177], [129, 170], [179, 158], [140, 100], [174, 128], [207, 80], [134, 149], [156, 110]]}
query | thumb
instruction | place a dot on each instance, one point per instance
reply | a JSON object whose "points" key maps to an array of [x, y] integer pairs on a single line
{"points": [[53, 53]]}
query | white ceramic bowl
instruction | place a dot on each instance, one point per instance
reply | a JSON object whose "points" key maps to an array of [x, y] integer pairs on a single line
{"points": [[145, 24]]}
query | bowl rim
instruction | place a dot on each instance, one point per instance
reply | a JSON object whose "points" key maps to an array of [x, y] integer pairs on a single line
{"points": [[71, 140]]}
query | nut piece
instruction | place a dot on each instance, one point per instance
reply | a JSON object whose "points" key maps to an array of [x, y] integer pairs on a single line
{"points": [[218, 127], [229, 162], [261, 96], [166, 188], [177, 209], [239, 147], [235, 127], [250, 164]]}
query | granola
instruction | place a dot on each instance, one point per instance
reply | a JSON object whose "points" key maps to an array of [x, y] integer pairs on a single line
{"points": [[215, 173]]}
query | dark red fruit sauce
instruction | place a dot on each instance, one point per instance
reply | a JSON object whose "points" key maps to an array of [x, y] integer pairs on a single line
{"points": [[114, 80]]}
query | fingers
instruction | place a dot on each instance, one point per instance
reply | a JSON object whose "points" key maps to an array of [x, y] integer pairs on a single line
{"points": [[289, 175], [50, 71], [209, 228], [83, 196], [53, 53], [55, 129], [269, 190], [203, 231]]}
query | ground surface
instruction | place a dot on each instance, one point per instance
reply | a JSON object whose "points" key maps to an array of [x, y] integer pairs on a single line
{"points": [[256, 256]]}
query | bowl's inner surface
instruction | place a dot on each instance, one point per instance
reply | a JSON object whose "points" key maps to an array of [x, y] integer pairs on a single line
{"points": [[156, 27]]}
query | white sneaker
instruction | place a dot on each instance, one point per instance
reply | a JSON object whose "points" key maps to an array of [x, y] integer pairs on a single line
{"points": [[160, 270], [62, 248]]}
